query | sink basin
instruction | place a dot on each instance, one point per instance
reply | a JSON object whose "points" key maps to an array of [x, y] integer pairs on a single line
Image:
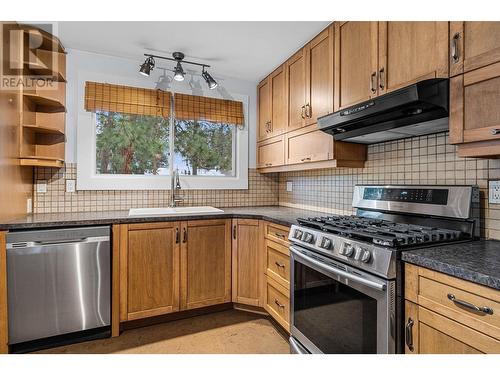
{"points": [[172, 211]]}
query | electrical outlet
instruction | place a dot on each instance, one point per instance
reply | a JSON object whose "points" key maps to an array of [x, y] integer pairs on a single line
{"points": [[70, 186], [41, 186], [289, 186], [29, 206], [494, 188]]}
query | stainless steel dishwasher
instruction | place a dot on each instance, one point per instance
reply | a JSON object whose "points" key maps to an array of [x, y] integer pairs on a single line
{"points": [[58, 281]]}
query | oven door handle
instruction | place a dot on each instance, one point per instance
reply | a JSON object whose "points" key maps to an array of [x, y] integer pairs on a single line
{"points": [[334, 271]]}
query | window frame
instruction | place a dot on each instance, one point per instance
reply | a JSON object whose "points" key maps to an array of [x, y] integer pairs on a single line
{"points": [[88, 179]]}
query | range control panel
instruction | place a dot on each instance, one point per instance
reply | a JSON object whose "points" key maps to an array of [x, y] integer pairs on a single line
{"points": [[428, 196]]}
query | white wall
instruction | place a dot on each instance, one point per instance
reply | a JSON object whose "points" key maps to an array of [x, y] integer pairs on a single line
{"points": [[126, 72]]}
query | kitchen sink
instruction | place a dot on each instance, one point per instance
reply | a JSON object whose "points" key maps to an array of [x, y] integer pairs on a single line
{"points": [[172, 211]]}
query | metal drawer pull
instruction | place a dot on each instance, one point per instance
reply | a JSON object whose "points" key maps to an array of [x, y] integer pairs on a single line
{"points": [[279, 304], [470, 306], [281, 265], [279, 235], [454, 48], [305, 159], [409, 334], [495, 131], [269, 164]]}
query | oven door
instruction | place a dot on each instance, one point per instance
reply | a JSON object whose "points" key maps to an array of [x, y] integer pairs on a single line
{"points": [[337, 309]]}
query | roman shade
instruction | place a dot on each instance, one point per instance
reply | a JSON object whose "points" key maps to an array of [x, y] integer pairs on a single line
{"points": [[126, 99], [191, 107]]}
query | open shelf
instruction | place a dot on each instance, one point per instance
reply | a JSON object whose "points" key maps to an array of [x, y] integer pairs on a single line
{"points": [[42, 129], [49, 41], [44, 103], [37, 161]]}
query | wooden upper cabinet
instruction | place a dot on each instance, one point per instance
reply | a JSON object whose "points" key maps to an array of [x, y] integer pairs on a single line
{"points": [[277, 81], [308, 145], [248, 262], [296, 89], [152, 254], [264, 110], [410, 52], [319, 77], [355, 62], [473, 45], [205, 263], [271, 152]]}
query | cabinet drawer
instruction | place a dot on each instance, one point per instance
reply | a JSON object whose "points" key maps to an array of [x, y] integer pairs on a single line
{"points": [[277, 233], [278, 303], [438, 296], [271, 152], [308, 145], [278, 263]]}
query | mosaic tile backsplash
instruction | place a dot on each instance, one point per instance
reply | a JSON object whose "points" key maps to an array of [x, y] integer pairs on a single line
{"points": [[420, 160]]}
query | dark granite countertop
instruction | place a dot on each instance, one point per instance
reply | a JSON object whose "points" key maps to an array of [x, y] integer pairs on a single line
{"points": [[476, 261], [276, 214]]}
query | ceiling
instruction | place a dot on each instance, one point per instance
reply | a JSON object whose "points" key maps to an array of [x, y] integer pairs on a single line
{"points": [[244, 50]]}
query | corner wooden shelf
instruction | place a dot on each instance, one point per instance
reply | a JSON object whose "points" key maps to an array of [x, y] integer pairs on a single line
{"points": [[44, 103], [44, 71], [48, 40], [37, 161], [42, 129]]}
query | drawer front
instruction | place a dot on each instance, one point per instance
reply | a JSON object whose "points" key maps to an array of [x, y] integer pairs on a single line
{"points": [[457, 304], [278, 303], [278, 263], [277, 233]]}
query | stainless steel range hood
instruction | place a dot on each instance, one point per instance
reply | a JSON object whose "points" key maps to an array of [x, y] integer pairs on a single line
{"points": [[419, 109]]}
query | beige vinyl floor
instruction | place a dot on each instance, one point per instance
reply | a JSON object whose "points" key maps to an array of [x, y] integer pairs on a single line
{"points": [[226, 332]]}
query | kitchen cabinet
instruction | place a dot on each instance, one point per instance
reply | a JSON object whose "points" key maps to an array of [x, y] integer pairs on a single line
{"points": [[296, 90], [271, 152], [205, 263], [473, 45], [247, 261], [150, 261], [356, 49], [409, 52], [272, 104], [440, 318]]}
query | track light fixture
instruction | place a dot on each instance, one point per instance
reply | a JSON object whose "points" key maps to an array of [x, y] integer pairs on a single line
{"points": [[147, 66], [179, 73]]}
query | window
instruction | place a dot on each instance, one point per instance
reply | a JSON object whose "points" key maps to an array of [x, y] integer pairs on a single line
{"points": [[135, 141]]}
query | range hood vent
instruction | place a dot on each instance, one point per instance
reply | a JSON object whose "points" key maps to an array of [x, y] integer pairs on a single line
{"points": [[419, 109]]}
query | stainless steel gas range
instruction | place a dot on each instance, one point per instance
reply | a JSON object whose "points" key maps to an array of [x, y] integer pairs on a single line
{"points": [[347, 277]]}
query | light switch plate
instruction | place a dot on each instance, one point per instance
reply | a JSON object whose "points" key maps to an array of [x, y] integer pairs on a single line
{"points": [[289, 186], [70, 186], [41, 186], [494, 189]]}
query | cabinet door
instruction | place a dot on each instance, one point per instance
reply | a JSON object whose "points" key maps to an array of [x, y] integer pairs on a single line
{"points": [[248, 263], [296, 89], [205, 263], [264, 116], [473, 45], [308, 145], [271, 152], [355, 62], [152, 269], [410, 52], [277, 83], [475, 114], [319, 78]]}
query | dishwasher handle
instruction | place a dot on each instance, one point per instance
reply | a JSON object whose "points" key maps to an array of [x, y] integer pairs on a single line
{"points": [[29, 244]]}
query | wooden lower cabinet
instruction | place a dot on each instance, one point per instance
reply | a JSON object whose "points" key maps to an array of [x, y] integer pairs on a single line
{"points": [[437, 322], [205, 263], [247, 279]]}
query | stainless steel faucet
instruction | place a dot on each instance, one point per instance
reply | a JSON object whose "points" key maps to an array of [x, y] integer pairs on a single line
{"points": [[175, 185]]}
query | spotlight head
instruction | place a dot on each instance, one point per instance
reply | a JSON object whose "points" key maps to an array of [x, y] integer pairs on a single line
{"points": [[179, 72], [147, 66], [212, 84]]}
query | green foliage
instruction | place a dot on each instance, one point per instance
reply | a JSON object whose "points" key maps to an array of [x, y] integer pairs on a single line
{"points": [[131, 144], [205, 145]]}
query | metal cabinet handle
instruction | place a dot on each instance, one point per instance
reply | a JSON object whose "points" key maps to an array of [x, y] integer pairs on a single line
{"points": [[495, 131], [454, 48], [308, 110], [279, 304], [372, 84], [177, 235], [381, 75], [409, 334], [270, 126], [234, 231], [269, 164], [470, 306], [279, 235], [280, 265], [184, 235], [305, 159], [302, 112]]}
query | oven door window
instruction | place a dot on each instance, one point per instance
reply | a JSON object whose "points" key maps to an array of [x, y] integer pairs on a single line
{"points": [[335, 317]]}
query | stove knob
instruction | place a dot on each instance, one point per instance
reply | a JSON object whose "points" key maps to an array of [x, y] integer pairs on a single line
{"points": [[326, 243], [297, 234], [357, 253], [308, 237], [365, 257], [348, 250]]}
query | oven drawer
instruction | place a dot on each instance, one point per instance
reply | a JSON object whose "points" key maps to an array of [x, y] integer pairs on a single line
{"points": [[277, 233], [278, 303], [278, 263]]}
